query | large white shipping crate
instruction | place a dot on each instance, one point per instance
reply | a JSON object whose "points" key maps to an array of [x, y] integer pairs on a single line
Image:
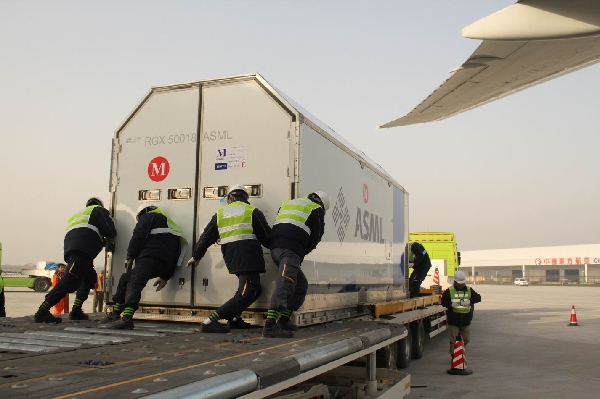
{"points": [[184, 144]]}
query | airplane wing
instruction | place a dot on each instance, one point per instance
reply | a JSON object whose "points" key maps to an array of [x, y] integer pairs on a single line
{"points": [[525, 44]]}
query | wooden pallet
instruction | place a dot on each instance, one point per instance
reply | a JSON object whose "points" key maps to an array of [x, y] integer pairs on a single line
{"points": [[389, 308]]}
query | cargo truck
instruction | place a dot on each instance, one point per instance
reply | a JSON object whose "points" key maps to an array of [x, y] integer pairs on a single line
{"points": [[443, 252], [38, 279], [181, 148]]}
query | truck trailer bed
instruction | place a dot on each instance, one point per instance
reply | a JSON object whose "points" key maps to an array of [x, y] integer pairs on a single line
{"points": [[78, 359]]}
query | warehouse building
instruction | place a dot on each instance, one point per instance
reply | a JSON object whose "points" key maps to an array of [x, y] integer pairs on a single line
{"points": [[568, 264]]}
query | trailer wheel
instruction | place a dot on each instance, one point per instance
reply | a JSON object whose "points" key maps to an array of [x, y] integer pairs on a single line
{"points": [[386, 357], [418, 339], [404, 350], [41, 284]]}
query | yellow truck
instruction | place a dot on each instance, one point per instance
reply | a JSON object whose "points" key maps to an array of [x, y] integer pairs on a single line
{"points": [[443, 252]]}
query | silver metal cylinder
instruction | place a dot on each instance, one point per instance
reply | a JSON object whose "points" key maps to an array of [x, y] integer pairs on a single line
{"points": [[371, 374], [376, 336], [319, 356], [226, 386]]}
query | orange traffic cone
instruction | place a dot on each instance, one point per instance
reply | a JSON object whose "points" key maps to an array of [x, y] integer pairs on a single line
{"points": [[436, 277], [459, 359], [573, 321]]}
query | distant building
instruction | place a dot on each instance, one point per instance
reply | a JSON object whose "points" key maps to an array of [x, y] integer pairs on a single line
{"points": [[561, 264]]}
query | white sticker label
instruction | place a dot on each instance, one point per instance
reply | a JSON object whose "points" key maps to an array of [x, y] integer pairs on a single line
{"points": [[233, 157]]}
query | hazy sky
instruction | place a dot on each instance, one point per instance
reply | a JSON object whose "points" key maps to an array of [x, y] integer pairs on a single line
{"points": [[521, 171]]}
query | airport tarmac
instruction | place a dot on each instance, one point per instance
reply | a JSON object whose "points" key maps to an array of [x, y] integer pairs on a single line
{"points": [[25, 302], [521, 345]]}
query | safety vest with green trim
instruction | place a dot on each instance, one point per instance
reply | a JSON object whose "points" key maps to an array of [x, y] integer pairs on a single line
{"points": [[1, 283], [296, 212], [81, 219], [457, 297], [235, 222], [174, 229]]}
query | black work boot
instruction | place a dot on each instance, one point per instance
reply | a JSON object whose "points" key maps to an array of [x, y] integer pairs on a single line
{"points": [[239, 324], [124, 323], [77, 314], [288, 325], [214, 327], [110, 317], [276, 331], [44, 316]]}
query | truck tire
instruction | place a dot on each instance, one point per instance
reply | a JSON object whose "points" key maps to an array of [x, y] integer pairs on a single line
{"points": [[418, 339], [41, 284], [385, 357], [404, 351]]}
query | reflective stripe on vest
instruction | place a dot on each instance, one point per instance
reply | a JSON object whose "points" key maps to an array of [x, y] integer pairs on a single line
{"points": [[235, 222], [456, 296], [296, 212], [81, 219], [174, 229]]}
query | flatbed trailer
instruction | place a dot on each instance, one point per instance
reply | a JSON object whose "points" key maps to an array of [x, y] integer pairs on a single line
{"points": [[171, 360]]}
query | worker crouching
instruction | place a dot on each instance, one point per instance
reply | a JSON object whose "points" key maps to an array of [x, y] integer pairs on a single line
{"points": [[156, 246], [298, 228]]}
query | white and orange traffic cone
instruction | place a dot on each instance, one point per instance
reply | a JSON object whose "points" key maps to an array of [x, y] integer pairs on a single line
{"points": [[436, 277], [459, 359], [573, 321]]}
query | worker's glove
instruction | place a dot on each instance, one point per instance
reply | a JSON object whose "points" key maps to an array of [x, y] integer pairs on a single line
{"points": [[465, 302], [455, 304], [160, 284], [191, 262], [128, 264]]}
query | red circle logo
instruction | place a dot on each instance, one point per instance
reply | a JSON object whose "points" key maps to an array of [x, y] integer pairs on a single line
{"points": [[158, 169], [365, 193]]}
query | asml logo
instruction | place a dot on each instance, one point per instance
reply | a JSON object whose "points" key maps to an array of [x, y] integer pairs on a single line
{"points": [[158, 169]]}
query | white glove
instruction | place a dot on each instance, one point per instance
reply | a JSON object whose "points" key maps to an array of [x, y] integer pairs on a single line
{"points": [[191, 262], [455, 304], [465, 302], [128, 264], [160, 284]]}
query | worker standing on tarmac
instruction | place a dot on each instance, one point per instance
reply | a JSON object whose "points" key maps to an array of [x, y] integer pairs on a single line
{"points": [[63, 305], [241, 229], [458, 301], [421, 265], [87, 233], [298, 228], [98, 293], [157, 246]]}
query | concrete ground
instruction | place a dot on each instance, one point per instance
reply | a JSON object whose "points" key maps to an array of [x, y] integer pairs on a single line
{"points": [[25, 302], [521, 346]]}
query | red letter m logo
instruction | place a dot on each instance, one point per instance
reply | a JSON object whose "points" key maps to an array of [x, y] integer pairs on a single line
{"points": [[158, 169]]}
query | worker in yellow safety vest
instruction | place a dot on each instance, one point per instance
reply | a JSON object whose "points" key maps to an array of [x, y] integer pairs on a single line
{"points": [[459, 301], [240, 228], [298, 228], [87, 234]]}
